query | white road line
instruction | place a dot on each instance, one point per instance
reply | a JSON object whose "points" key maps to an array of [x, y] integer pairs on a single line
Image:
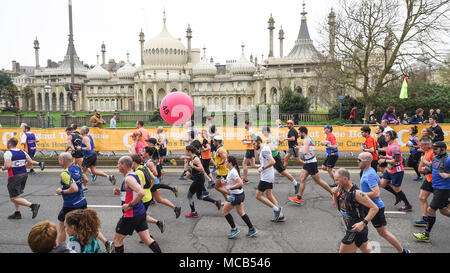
{"points": [[394, 212], [102, 206]]}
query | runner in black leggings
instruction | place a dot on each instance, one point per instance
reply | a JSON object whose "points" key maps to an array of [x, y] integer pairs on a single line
{"points": [[197, 174]]}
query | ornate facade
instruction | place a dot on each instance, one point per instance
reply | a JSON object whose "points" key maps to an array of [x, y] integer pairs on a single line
{"points": [[167, 65]]}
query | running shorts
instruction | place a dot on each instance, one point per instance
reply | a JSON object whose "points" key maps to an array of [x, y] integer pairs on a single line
{"points": [[16, 185], [90, 161], [127, 225], [395, 178], [64, 211], [330, 161], [263, 186], [311, 168], [440, 199], [278, 164]]}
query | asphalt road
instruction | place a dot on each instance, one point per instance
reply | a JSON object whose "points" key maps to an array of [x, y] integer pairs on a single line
{"points": [[314, 227]]}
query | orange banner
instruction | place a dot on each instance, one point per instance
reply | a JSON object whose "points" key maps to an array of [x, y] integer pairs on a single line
{"points": [[348, 138]]}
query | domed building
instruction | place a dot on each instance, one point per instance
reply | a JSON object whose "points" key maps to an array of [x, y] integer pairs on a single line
{"points": [[169, 65]]}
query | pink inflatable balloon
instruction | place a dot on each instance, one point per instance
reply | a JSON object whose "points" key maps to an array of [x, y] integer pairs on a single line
{"points": [[177, 108]]}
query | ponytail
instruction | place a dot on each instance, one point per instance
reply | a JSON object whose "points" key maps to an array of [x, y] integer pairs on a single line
{"points": [[234, 163]]}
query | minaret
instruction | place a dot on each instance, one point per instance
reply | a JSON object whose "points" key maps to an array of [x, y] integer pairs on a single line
{"points": [[142, 41], [103, 54], [271, 28], [189, 38], [36, 52], [281, 33], [332, 24]]}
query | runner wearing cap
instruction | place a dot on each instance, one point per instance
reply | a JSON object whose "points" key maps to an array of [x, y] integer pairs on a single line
{"points": [[441, 188], [273, 142], [292, 144], [331, 149]]}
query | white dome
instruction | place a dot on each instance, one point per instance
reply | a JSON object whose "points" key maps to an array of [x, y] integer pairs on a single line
{"points": [[204, 68], [98, 73], [243, 66], [127, 71], [165, 50]]}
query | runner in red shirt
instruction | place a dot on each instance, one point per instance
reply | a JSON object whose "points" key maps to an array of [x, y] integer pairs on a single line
{"points": [[370, 145]]}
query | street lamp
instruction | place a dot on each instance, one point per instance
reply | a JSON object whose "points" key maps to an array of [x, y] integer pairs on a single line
{"points": [[47, 89]]}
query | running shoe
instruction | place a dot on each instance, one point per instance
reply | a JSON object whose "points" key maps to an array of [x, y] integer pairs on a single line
{"points": [[173, 162], [32, 172], [245, 181], [233, 233], [252, 232], [42, 165], [15, 216], [109, 247], [84, 190], [175, 191], [177, 211], [94, 177], [182, 177], [231, 198], [35, 210], [112, 179], [277, 214], [405, 209], [192, 215], [161, 225], [296, 188], [282, 218], [418, 179], [406, 251], [424, 237], [296, 200], [218, 204], [420, 223]]}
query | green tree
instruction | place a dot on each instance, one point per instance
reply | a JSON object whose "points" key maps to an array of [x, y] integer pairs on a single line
{"points": [[292, 102]]}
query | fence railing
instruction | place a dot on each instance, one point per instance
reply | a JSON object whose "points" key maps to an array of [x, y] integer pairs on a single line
{"points": [[65, 120]]}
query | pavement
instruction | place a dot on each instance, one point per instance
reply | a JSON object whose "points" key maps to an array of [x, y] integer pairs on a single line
{"points": [[314, 227]]}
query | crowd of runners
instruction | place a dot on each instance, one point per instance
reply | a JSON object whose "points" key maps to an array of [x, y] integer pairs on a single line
{"points": [[380, 162]]}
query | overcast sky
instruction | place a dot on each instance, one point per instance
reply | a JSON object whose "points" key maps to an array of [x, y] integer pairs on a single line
{"points": [[221, 26]]}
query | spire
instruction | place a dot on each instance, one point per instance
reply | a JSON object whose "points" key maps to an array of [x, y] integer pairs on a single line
{"points": [[164, 16], [304, 11], [128, 56]]}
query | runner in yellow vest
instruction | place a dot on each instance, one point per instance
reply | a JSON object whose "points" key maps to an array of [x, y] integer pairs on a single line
{"points": [[220, 159]]}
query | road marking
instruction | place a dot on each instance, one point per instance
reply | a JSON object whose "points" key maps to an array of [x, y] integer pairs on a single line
{"points": [[103, 206], [395, 212]]}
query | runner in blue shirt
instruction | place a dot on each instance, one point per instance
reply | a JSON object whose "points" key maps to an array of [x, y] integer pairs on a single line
{"points": [[370, 185]]}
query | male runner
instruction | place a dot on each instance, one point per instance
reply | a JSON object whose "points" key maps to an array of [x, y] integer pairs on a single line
{"points": [[16, 162], [267, 179], [369, 185], [206, 156], [73, 196], [309, 168], [134, 217], [148, 180], [426, 189], [90, 156], [395, 171], [381, 147], [273, 142], [292, 144], [220, 159], [29, 140], [441, 188], [370, 146], [250, 153], [331, 150]]}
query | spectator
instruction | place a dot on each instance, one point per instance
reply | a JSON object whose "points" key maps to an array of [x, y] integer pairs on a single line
{"points": [[353, 115], [42, 239], [406, 119], [83, 225], [390, 116], [212, 132], [417, 118], [386, 127], [372, 118], [440, 116], [296, 119], [97, 120], [235, 120], [437, 130], [112, 123], [137, 147]]}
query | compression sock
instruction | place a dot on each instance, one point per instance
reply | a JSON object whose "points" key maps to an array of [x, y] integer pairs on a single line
{"points": [[390, 189], [401, 195], [191, 201], [294, 182], [247, 221], [299, 197], [275, 208], [155, 247], [430, 223], [230, 221], [119, 249]]}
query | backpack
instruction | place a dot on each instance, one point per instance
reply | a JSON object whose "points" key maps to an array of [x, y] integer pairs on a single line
{"points": [[76, 139], [148, 178]]}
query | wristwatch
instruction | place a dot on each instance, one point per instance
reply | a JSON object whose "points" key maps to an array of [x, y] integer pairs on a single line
{"points": [[365, 222], [130, 205]]}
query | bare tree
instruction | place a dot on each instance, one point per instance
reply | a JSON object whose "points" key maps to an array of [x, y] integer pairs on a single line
{"points": [[375, 40]]}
